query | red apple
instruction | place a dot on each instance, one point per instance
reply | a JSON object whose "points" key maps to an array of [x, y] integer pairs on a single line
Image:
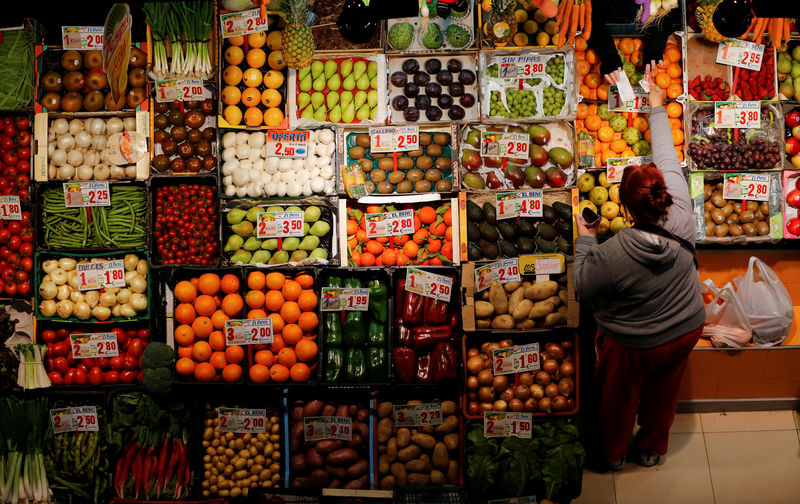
{"points": [[793, 118], [793, 226], [792, 146], [793, 198]]}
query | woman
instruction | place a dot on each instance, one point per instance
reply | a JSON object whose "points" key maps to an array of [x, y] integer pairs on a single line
{"points": [[643, 287]]}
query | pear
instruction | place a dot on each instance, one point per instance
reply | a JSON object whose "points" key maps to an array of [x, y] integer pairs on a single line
{"points": [[372, 98], [349, 82], [335, 114], [279, 257], [373, 83], [242, 257], [784, 63], [260, 257], [330, 68], [796, 53], [293, 208], [319, 83], [359, 68], [332, 99], [306, 227], [346, 67], [236, 215], [317, 99], [301, 74], [305, 83], [317, 68], [290, 243], [307, 113], [363, 112], [252, 244], [234, 243], [298, 255], [795, 69], [320, 228], [243, 229], [303, 99], [360, 98], [252, 213], [786, 88], [334, 83], [349, 113], [372, 69], [362, 82], [796, 85], [312, 214], [271, 244], [275, 208], [321, 114], [319, 253], [373, 113], [346, 98], [309, 243]]}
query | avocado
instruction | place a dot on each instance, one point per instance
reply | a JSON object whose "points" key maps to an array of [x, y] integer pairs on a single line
{"points": [[548, 214], [489, 213], [473, 231], [488, 232], [507, 249], [474, 252], [525, 245], [563, 210], [546, 231], [564, 228], [474, 212], [490, 250], [563, 245], [526, 228], [507, 229], [545, 246]]}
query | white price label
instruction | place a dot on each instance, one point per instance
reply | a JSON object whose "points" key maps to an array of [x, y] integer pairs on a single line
{"points": [[235, 24], [740, 53], [512, 145], [417, 415], [10, 209], [288, 144], [506, 424], [516, 359], [542, 264], [504, 271], [101, 274], [77, 419], [390, 223], [248, 331], [527, 66], [746, 186], [170, 90], [393, 139], [347, 299], [739, 114], [279, 224], [429, 284], [86, 194], [639, 102], [506, 205], [242, 421], [519, 204], [91, 345], [328, 427], [615, 167], [82, 37]]}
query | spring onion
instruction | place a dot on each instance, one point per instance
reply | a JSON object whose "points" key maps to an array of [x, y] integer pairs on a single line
{"points": [[31, 373], [16, 68], [23, 477], [187, 27]]}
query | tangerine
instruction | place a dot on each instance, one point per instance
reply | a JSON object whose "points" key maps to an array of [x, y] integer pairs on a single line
{"points": [[201, 351], [256, 280], [185, 351], [253, 116], [672, 53], [593, 123], [291, 290], [218, 319], [258, 373], [308, 321], [674, 70], [618, 146], [205, 305], [232, 75], [273, 116], [626, 46], [274, 280], [662, 79], [277, 322], [254, 299], [234, 354], [256, 314], [257, 39], [605, 134], [204, 372], [185, 292], [185, 313], [277, 343], [234, 55], [185, 366], [602, 91], [674, 110], [306, 350], [583, 111], [273, 79], [292, 334], [250, 97], [274, 40], [279, 373], [232, 304], [232, 373], [287, 357], [677, 137], [264, 357], [290, 312], [202, 327], [591, 80], [217, 360], [274, 300], [307, 301], [208, 283], [305, 280], [233, 115], [300, 372], [217, 341]]}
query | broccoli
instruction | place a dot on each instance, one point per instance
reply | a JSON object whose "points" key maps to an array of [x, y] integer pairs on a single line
{"points": [[158, 355], [158, 381]]}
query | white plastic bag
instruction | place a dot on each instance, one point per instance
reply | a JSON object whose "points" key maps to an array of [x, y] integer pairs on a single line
{"points": [[726, 321], [766, 302]]}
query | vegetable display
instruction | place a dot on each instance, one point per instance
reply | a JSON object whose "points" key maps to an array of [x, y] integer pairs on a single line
{"points": [[449, 32], [16, 255], [185, 228], [9, 363], [602, 197], [523, 305], [573, 15], [15, 156], [187, 26], [31, 373], [16, 77], [22, 438], [184, 137]]}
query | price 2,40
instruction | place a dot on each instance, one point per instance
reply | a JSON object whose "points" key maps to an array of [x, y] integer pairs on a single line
{"points": [[508, 271]]}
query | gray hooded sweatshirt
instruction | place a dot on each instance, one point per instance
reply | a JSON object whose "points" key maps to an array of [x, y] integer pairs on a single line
{"points": [[643, 288]]}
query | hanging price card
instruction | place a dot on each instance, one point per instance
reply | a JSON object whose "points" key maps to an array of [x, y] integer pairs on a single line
{"points": [[738, 114], [515, 359], [390, 223], [393, 139], [328, 427], [279, 224], [242, 421], [504, 271], [170, 90], [76, 419], [288, 144], [248, 331], [86, 194], [746, 186], [513, 145], [82, 37], [354, 182], [429, 284], [234, 24], [89, 346], [639, 102], [542, 264], [95, 275], [10, 209], [527, 66], [506, 424], [740, 53], [417, 415], [615, 167], [348, 299]]}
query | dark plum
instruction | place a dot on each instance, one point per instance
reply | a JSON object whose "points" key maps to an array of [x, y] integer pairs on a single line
{"points": [[433, 113], [444, 77], [433, 89], [422, 102], [466, 77], [399, 102], [433, 66], [456, 89], [410, 66], [454, 65], [399, 79], [421, 78], [456, 113], [411, 90], [411, 114], [467, 101], [445, 101]]}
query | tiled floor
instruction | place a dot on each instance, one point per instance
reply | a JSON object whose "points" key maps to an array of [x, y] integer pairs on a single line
{"points": [[714, 458]]}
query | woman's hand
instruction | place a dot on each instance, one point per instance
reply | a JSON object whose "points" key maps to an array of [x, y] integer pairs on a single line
{"points": [[656, 97], [613, 77], [583, 229]]}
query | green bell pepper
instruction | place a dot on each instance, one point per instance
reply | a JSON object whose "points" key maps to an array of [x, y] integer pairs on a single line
{"points": [[354, 330], [332, 320], [334, 364], [376, 334], [378, 300], [355, 365], [376, 364]]}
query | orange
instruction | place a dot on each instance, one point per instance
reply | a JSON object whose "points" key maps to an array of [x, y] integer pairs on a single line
{"points": [[279, 373], [591, 80], [208, 283], [593, 122], [273, 79], [277, 343], [637, 44], [674, 70], [233, 115], [205, 305], [626, 46], [258, 373], [185, 366], [602, 91], [234, 354], [275, 60], [218, 360], [202, 327], [274, 300], [185, 313], [583, 111], [217, 341], [275, 280], [251, 97], [232, 75], [675, 123], [204, 372], [185, 351], [627, 153], [605, 134], [306, 350], [237, 41], [640, 123], [254, 299], [185, 292], [234, 55], [256, 314], [300, 372], [277, 322], [256, 280], [306, 281], [252, 77], [274, 40], [677, 136], [307, 301], [291, 334], [591, 57], [264, 357], [273, 116], [257, 39], [232, 304], [672, 53], [256, 57], [253, 116], [291, 290], [271, 98], [618, 146], [202, 351], [308, 321], [232, 373], [674, 109], [662, 79], [290, 312], [287, 357], [218, 319], [580, 43], [583, 67]]}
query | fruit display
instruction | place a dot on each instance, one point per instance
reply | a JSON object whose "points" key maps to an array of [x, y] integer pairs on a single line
{"points": [[792, 144], [708, 88], [421, 455], [16, 256], [253, 79], [788, 68], [291, 302], [425, 348], [440, 86], [185, 136], [248, 170], [185, 227], [533, 26], [523, 305], [74, 81], [15, 157], [602, 198], [791, 197], [417, 34], [202, 304], [64, 369], [758, 85], [60, 298], [313, 244], [547, 96], [339, 90], [549, 390], [549, 162], [240, 462], [430, 243], [490, 237], [319, 461], [424, 170]]}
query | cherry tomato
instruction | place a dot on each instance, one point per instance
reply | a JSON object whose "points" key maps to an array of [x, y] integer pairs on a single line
{"points": [[96, 376], [11, 289], [122, 337], [143, 334], [56, 378], [24, 288], [102, 362]]}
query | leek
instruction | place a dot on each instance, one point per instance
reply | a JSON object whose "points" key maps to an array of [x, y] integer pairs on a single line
{"points": [[31, 373]]}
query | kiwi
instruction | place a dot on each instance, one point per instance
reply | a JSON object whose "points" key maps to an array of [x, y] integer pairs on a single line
{"points": [[396, 177], [51, 101], [93, 101], [377, 156], [93, 59], [405, 163], [365, 164], [377, 176], [362, 140], [356, 152], [444, 163], [369, 186], [424, 138], [74, 81], [71, 102], [414, 175], [424, 163], [110, 104], [433, 150], [443, 185], [441, 138], [433, 175], [71, 61], [137, 77], [96, 81], [138, 58], [423, 186], [51, 81], [405, 187], [136, 96], [386, 164], [415, 153], [385, 187]]}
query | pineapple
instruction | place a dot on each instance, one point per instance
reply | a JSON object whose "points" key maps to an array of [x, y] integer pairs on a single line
{"points": [[502, 23], [297, 43]]}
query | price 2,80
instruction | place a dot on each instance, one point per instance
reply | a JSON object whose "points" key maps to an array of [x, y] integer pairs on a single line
{"points": [[518, 148], [755, 189], [103, 348]]}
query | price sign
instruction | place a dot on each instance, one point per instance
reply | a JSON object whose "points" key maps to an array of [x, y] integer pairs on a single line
{"points": [[615, 167], [248, 331], [429, 284], [100, 274], [542, 264], [512, 145], [235, 24], [522, 204], [639, 102], [506, 205], [516, 359], [288, 144], [528, 66], [746, 186], [279, 224], [89, 346], [86, 194], [82, 37], [507, 424], [739, 114], [170, 90], [328, 427], [242, 421], [10, 209], [504, 271], [347, 299], [393, 139], [417, 415], [740, 53], [390, 223], [76, 419]]}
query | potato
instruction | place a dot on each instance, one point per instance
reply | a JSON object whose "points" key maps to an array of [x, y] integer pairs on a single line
{"points": [[555, 319], [525, 324], [438, 478], [319, 478], [313, 408], [441, 458], [498, 298], [450, 424], [383, 465], [541, 309], [385, 409], [424, 441], [403, 437], [387, 483], [513, 300], [554, 300], [326, 446], [426, 459], [358, 469], [328, 410], [342, 457], [415, 466], [511, 286], [483, 309], [503, 322], [541, 290], [418, 479], [452, 473], [451, 441], [483, 323], [410, 452], [399, 472], [358, 484], [449, 408], [522, 309], [563, 296], [385, 428], [391, 450], [428, 429], [315, 460]]}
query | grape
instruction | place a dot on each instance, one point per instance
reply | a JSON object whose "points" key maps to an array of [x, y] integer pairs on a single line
{"points": [[491, 70], [553, 100], [555, 68]]}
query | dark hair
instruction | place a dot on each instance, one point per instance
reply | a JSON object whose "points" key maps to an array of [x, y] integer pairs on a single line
{"points": [[644, 193]]}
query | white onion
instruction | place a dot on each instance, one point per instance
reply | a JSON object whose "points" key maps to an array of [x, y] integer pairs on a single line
{"points": [[114, 125], [101, 172], [52, 171], [65, 172], [76, 296], [64, 308], [96, 126], [241, 177], [117, 172], [129, 276], [59, 276], [59, 157], [130, 261], [141, 268], [127, 311], [48, 290], [99, 142], [60, 126], [326, 172], [82, 310], [313, 172], [255, 173], [124, 295], [115, 311], [63, 292], [101, 312], [47, 308], [242, 138], [138, 301], [83, 139], [75, 157], [255, 155], [229, 139], [253, 189], [67, 263], [307, 189], [91, 157], [108, 299], [85, 172], [129, 123], [130, 171], [229, 154], [51, 149], [271, 188], [66, 142], [91, 297], [75, 125], [49, 265]]}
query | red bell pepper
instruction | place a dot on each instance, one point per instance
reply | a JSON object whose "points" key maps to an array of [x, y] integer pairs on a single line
{"points": [[436, 312], [444, 362], [404, 337], [430, 336], [424, 368], [405, 360], [413, 308]]}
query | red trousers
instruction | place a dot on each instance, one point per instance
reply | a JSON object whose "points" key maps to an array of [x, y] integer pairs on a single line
{"points": [[644, 381]]}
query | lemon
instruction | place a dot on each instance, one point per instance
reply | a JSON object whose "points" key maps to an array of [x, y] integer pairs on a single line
{"points": [[520, 39], [521, 15], [233, 115], [602, 228], [486, 5], [530, 27]]}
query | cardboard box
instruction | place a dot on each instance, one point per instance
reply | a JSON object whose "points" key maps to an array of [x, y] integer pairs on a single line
{"points": [[791, 179]]}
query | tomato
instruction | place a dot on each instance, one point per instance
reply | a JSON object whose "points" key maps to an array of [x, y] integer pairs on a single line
{"points": [[82, 367], [130, 362], [10, 130], [69, 377], [20, 276], [143, 334], [24, 288], [7, 143], [11, 289], [89, 363], [115, 363], [25, 248], [15, 227], [80, 376], [48, 336], [127, 376], [55, 378], [122, 338], [10, 158], [23, 123], [135, 347], [23, 138], [112, 377], [62, 334], [48, 364], [96, 376], [14, 243], [102, 362], [140, 377], [62, 348]]}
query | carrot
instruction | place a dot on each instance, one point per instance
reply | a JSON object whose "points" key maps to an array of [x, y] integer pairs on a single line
{"points": [[582, 16], [776, 41], [749, 29], [787, 32], [573, 27], [587, 31], [560, 15], [758, 31], [562, 31]]}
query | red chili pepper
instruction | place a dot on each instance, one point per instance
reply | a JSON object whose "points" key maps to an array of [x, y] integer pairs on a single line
{"points": [[430, 336], [444, 362], [405, 360]]}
